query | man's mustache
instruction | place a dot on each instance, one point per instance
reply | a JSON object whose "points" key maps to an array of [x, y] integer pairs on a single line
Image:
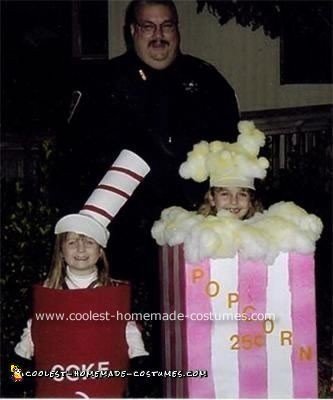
{"points": [[158, 41]]}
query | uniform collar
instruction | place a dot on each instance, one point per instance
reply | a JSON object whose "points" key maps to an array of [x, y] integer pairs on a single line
{"points": [[148, 71]]}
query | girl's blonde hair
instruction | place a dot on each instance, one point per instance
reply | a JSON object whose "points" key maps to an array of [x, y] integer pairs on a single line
{"points": [[207, 209], [57, 273]]}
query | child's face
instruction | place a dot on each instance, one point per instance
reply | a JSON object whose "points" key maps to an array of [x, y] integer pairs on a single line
{"points": [[80, 253], [234, 199]]}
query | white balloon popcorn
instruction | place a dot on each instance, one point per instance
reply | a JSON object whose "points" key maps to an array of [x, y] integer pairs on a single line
{"points": [[228, 164], [174, 225], [261, 237], [253, 244], [196, 167], [250, 137], [309, 223]]}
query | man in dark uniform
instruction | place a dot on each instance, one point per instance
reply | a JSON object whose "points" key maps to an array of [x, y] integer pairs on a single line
{"points": [[155, 101]]}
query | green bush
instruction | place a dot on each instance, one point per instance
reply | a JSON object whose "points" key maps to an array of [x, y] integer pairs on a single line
{"points": [[27, 241]]}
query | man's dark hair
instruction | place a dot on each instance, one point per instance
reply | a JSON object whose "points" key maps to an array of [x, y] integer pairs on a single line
{"points": [[132, 12]]}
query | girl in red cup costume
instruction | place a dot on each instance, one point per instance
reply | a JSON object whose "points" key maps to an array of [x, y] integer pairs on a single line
{"points": [[78, 285]]}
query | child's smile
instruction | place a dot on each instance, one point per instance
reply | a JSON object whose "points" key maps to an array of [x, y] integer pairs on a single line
{"points": [[80, 253], [233, 199]]}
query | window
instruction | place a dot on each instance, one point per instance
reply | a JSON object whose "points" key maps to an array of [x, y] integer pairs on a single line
{"points": [[90, 29]]}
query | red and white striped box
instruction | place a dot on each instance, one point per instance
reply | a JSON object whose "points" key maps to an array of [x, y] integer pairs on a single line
{"points": [[243, 358]]}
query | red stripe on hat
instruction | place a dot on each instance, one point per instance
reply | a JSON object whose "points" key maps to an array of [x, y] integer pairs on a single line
{"points": [[127, 172], [114, 190], [97, 211]]}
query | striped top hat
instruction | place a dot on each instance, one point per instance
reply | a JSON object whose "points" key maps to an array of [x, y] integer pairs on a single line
{"points": [[107, 199]]}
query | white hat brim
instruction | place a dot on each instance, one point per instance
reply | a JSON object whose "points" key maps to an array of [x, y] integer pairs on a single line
{"points": [[233, 182], [84, 225]]}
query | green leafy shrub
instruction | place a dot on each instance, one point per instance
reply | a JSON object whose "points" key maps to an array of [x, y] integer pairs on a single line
{"points": [[27, 240]]}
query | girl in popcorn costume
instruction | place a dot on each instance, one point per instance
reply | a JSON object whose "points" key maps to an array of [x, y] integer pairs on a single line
{"points": [[79, 283], [232, 169], [239, 201], [231, 218], [265, 258]]}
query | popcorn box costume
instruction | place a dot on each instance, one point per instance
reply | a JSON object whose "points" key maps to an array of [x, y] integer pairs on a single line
{"points": [[87, 345], [217, 271]]}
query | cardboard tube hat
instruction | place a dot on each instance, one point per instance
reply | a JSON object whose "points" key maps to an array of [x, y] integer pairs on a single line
{"points": [[107, 199]]}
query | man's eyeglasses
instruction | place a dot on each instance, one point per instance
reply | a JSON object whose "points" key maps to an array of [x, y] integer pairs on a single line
{"points": [[149, 28]]}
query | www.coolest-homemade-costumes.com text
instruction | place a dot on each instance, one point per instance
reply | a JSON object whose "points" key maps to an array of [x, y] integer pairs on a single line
{"points": [[244, 358]]}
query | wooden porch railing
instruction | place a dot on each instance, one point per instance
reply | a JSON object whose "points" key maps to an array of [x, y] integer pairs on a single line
{"points": [[292, 134]]}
